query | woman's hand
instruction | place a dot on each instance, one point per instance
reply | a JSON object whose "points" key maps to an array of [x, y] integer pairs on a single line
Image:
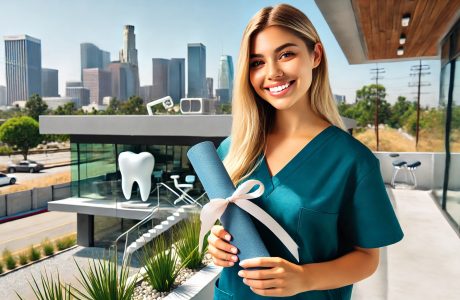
{"points": [[281, 278], [222, 252]]}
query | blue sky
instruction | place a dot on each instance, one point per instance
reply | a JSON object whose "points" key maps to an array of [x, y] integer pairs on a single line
{"points": [[163, 29]]}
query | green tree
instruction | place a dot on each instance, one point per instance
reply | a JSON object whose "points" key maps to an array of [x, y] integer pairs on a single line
{"points": [[35, 107], [365, 106], [114, 107], [400, 112], [67, 109], [22, 133], [134, 106]]}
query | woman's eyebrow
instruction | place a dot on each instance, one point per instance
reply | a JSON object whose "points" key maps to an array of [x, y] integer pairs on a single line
{"points": [[276, 50]]}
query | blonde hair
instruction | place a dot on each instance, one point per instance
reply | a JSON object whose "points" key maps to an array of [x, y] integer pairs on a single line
{"points": [[251, 115]]}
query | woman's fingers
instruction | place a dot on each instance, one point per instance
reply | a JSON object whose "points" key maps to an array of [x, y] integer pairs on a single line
{"points": [[220, 232], [219, 254], [222, 252], [221, 244]]}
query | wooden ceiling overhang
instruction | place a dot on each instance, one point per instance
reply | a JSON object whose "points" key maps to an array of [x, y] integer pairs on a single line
{"points": [[375, 25]]}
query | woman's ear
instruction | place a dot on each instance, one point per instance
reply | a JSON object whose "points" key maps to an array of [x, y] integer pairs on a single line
{"points": [[317, 53]]}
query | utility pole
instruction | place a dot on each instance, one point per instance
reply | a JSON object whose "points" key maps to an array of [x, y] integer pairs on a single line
{"points": [[418, 71], [377, 75]]}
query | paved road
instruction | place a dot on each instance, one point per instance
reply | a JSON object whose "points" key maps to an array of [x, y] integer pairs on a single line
{"points": [[20, 234], [45, 159]]}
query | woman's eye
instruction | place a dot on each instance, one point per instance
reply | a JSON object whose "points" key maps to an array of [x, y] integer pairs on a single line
{"points": [[256, 63], [286, 54]]}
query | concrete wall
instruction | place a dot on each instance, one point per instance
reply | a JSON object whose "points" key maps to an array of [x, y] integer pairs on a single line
{"points": [[20, 202], [430, 175]]}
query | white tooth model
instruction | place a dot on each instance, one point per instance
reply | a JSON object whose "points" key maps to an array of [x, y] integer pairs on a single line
{"points": [[136, 167]]}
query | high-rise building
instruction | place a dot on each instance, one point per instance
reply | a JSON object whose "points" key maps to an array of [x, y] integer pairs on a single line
{"points": [[129, 52], [2, 95], [124, 80], [209, 87], [79, 94], [73, 84], [145, 92], [196, 70], [176, 79], [50, 83], [223, 95], [160, 68], [225, 77], [93, 57], [23, 62], [98, 82]]}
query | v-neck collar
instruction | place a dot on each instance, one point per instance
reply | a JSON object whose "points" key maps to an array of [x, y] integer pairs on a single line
{"points": [[305, 152]]}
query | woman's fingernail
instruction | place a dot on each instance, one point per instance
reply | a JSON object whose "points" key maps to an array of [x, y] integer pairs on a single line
{"points": [[234, 258], [231, 263], [240, 273], [227, 237], [234, 250]]}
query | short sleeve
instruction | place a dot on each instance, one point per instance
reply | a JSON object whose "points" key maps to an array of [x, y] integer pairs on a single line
{"points": [[223, 148], [368, 219]]}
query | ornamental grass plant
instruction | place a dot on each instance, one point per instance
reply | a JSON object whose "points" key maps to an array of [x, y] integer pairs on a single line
{"points": [[9, 259], [65, 242], [23, 258], [34, 253], [48, 247], [188, 233], [162, 265], [50, 289], [1, 267], [105, 280]]}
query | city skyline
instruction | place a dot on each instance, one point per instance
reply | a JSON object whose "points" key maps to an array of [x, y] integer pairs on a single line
{"points": [[163, 31]]}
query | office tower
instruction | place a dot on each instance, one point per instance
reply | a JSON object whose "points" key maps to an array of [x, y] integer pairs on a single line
{"points": [[73, 84], [79, 94], [93, 57], [129, 52], [223, 95], [124, 80], [98, 82], [176, 79], [145, 92], [225, 77], [2, 95], [160, 67], [23, 62], [50, 83], [209, 87], [196, 70]]}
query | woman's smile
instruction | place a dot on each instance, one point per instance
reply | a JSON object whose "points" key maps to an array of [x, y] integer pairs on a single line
{"points": [[279, 89]]}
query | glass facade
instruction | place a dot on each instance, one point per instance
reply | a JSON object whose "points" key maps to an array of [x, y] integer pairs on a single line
{"points": [[450, 96]]}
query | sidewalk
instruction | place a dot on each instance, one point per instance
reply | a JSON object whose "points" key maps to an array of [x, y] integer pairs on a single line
{"points": [[425, 264]]}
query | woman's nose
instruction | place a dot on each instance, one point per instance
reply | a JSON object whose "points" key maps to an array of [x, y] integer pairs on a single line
{"points": [[274, 71]]}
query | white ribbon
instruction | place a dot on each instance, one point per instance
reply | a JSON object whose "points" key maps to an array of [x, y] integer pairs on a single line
{"points": [[214, 209]]}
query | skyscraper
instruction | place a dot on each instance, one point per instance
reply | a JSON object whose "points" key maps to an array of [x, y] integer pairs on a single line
{"points": [[2, 95], [79, 94], [160, 67], [128, 54], [98, 82], [225, 77], [93, 57], [23, 62], [210, 87], [145, 92], [176, 80], [50, 82], [124, 80], [196, 70]]}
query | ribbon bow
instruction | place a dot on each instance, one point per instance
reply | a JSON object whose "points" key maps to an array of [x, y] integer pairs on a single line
{"points": [[214, 209]]}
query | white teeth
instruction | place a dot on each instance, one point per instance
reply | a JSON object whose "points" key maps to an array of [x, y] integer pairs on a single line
{"points": [[278, 89], [136, 167]]}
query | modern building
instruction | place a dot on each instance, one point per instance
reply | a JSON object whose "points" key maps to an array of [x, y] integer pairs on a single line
{"points": [[2, 95], [93, 57], [73, 84], [128, 54], [99, 84], [79, 94], [225, 76], [176, 79], [196, 71], [23, 62], [124, 82], [209, 87], [50, 83], [160, 76], [145, 92], [412, 30], [223, 95], [339, 98], [55, 102]]}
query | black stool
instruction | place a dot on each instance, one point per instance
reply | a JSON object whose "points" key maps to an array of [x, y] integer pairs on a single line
{"points": [[412, 167], [397, 166]]}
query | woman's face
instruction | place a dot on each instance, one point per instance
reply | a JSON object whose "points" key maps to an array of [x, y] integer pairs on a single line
{"points": [[280, 68]]}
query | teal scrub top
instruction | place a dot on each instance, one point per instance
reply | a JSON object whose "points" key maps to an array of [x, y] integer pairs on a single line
{"points": [[329, 198]]}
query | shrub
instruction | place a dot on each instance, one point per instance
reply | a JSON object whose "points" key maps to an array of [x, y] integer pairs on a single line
{"points": [[104, 279], [66, 242], [5, 150], [1, 267], [187, 246], [9, 259], [50, 288], [23, 258], [34, 254], [161, 265], [48, 247]]}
